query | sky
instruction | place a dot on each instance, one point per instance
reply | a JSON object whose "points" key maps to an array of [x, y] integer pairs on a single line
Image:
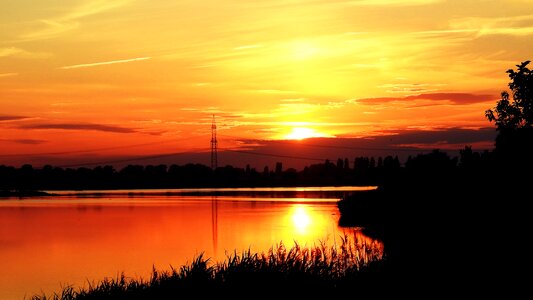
{"points": [[97, 80]]}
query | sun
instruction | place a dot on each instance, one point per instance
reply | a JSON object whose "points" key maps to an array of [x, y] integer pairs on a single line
{"points": [[300, 133], [303, 50]]}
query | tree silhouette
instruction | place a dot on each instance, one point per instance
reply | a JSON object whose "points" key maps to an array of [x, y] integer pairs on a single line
{"points": [[514, 120], [517, 113]]}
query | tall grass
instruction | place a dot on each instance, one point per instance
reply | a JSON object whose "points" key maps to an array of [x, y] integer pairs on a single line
{"points": [[302, 270]]}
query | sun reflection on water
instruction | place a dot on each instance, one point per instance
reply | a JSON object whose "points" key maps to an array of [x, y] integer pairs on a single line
{"points": [[301, 219], [306, 226]]}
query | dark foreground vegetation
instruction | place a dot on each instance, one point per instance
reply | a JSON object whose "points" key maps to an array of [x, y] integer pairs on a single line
{"points": [[279, 273], [461, 228]]}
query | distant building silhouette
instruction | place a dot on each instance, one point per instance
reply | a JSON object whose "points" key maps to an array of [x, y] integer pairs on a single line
{"points": [[279, 167]]}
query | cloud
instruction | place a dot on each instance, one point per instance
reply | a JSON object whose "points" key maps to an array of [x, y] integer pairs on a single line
{"points": [[7, 118], [18, 52], [50, 29], [257, 152], [292, 100], [120, 61], [273, 91], [459, 136], [83, 126], [454, 98], [247, 47], [393, 142], [94, 7], [56, 26], [9, 51], [25, 141], [445, 145], [512, 25], [410, 87], [444, 32], [8, 74], [393, 2]]}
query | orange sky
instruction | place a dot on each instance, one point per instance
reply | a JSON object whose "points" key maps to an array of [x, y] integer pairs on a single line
{"points": [[97, 74]]}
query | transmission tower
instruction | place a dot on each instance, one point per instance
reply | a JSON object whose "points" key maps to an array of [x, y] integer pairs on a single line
{"points": [[214, 156]]}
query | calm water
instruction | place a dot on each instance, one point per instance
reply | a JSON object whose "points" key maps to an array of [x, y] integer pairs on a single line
{"points": [[76, 239]]}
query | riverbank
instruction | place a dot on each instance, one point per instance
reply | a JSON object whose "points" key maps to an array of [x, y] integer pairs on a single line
{"points": [[23, 194], [443, 231], [273, 192]]}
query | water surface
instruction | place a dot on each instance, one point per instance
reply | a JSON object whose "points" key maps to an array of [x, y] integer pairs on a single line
{"points": [[46, 243]]}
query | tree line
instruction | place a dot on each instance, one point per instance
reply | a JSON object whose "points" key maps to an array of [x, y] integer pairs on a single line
{"points": [[360, 170]]}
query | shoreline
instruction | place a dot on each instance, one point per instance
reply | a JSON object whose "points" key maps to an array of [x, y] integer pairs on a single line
{"points": [[24, 194], [274, 192]]}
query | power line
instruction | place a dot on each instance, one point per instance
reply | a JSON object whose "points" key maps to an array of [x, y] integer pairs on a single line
{"points": [[213, 138], [96, 149], [338, 147], [83, 151], [229, 136], [275, 155], [107, 162], [141, 158]]}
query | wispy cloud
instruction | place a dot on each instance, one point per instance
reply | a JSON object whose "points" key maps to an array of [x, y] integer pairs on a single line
{"points": [[454, 98], [80, 126], [93, 7], [393, 2], [112, 62], [9, 51], [21, 53], [296, 108], [247, 47], [5, 118], [50, 29], [273, 91], [445, 145], [8, 74], [292, 100], [445, 138], [411, 87], [53, 27], [24, 141], [438, 33], [512, 25]]}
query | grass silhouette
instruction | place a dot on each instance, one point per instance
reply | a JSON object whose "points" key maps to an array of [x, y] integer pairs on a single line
{"points": [[298, 270]]}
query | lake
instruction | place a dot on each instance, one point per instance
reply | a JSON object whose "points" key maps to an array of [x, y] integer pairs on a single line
{"points": [[77, 238]]}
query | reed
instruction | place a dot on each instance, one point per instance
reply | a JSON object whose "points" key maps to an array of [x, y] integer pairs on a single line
{"points": [[303, 270]]}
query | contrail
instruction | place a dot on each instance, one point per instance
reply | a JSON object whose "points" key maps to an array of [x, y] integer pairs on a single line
{"points": [[120, 61]]}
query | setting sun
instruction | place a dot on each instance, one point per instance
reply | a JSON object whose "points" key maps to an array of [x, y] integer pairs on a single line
{"points": [[304, 50], [300, 133]]}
